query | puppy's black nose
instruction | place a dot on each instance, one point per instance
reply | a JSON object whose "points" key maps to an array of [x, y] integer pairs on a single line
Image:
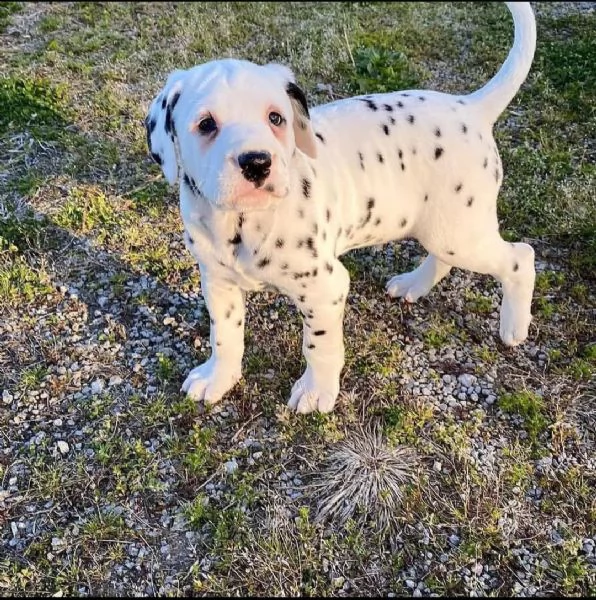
{"points": [[255, 166]]}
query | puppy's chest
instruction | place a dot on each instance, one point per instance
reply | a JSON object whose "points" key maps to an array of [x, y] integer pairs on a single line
{"points": [[254, 250]]}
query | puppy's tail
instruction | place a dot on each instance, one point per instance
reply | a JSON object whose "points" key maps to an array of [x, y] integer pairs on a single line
{"points": [[496, 95]]}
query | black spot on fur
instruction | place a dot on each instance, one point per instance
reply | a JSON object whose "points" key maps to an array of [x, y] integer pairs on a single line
{"points": [[163, 104], [388, 107], [497, 175], [189, 238], [515, 267], [315, 272], [485, 163], [168, 123], [237, 239], [239, 324], [320, 332], [392, 120], [380, 158], [414, 151], [403, 222], [470, 200], [385, 129], [301, 213], [426, 197], [369, 103], [437, 132], [403, 167], [328, 215], [438, 152], [301, 298], [458, 188], [404, 94], [400, 104], [311, 346], [370, 204], [212, 321], [421, 98], [329, 267], [297, 94], [279, 243], [464, 128], [450, 252], [377, 222], [306, 188], [284, 266], [156, 158], [400, 154], [460, 102], [320, 136], [228, 314], [411, 119], [174, 100]]}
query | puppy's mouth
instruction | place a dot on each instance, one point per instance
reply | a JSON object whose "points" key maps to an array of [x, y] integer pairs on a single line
{"points": [[248, 197]]}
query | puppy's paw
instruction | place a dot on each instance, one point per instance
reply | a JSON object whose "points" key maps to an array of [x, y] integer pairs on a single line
{"points": [[309, 395], [410, 286], [514, 324], [210, 381]]}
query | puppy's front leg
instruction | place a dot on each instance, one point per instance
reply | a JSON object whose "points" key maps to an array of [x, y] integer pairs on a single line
{"points": [[212, 379], [323, 344]]}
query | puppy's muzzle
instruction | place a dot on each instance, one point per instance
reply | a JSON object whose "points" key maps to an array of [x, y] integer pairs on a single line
{"points": [[255, 166]]}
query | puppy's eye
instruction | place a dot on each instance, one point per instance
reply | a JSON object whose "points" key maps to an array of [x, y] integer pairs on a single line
{"points": [[276, 119], [207, 125]]}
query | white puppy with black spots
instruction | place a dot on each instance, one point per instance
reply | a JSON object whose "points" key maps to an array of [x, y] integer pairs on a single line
{"points": [[271, 194]]}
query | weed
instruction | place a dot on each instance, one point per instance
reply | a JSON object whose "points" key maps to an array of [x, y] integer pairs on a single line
{"points": [[528, 405]]}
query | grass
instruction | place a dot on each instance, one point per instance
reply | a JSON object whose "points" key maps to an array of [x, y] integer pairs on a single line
{"points": [[93, 270]]}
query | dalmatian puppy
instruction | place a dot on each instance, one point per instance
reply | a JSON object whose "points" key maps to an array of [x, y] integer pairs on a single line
{"points": [[272, 194]]}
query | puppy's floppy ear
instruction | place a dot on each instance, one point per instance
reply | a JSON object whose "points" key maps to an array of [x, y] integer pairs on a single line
{"points": [[160, 126], [303, 132]]}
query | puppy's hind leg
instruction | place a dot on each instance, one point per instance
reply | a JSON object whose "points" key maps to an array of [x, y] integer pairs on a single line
{"points": [[419, 282]]}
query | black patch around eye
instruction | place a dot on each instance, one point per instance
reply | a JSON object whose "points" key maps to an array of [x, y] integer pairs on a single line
{"points": [[297, 94]]}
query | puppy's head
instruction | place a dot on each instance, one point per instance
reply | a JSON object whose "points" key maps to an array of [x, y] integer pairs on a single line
{"points": [[232, 127]]}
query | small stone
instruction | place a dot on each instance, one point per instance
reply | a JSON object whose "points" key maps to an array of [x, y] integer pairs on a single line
{"points": [[63, 447], [97, 386], [467, 380], [6, 397], [453, 540], [437, 466], [338, 581], [115, 380], [231, 466], [410, 584], [57, 422]]}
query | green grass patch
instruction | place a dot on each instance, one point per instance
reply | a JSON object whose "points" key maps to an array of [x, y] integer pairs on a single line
{"points": [[6, 10], [528, 405], [32, 103]]}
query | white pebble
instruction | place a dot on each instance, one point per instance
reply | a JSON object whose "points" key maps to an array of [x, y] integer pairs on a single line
{"points": [[97, 386], [63, 447]]}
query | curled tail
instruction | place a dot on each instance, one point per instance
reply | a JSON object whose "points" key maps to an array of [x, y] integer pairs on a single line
{"points": [[494, 97]]}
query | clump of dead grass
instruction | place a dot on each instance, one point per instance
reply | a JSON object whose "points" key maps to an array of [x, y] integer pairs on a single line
{"points": [[364, 479]]}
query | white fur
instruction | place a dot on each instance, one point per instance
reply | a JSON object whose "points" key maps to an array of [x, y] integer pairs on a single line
{"points": [[421, 164]]}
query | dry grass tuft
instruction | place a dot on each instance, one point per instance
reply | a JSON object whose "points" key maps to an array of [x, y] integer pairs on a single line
{"points": [[364, 478]]}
